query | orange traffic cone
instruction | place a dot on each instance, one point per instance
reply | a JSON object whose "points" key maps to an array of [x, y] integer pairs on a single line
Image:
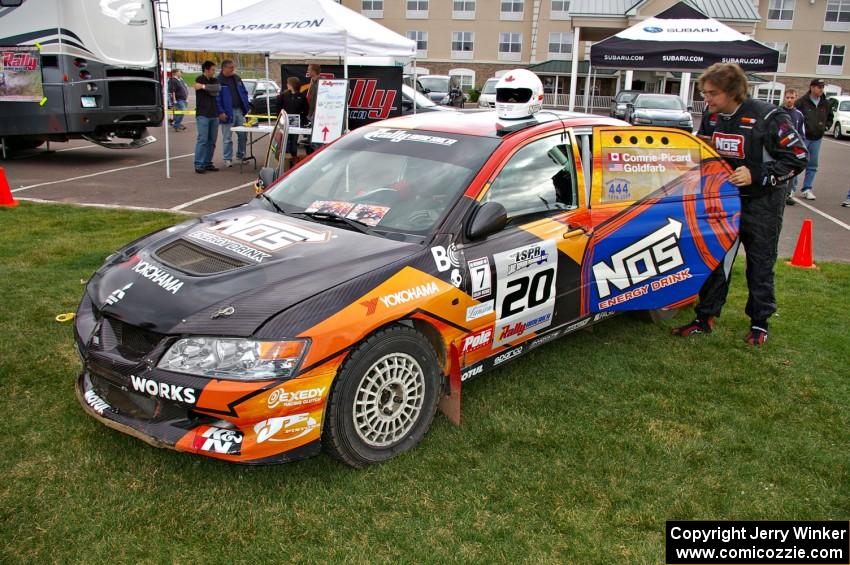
{"points": [[803, 255], [6, 198]]}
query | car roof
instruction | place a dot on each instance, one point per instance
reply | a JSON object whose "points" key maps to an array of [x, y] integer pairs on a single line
{"points": [[488, 124]]}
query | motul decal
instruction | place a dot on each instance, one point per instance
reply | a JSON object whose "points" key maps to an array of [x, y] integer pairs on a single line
{"points": [[372, 103]]}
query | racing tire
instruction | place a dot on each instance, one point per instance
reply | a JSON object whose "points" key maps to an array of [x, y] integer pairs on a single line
{"points": [[384, 399], [836, 131]]}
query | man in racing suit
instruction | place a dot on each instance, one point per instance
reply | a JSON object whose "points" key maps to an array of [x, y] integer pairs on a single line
{"points": [[765, 151]]}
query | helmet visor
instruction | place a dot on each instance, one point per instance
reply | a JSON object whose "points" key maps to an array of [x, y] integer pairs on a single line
{"points": [[513, 95]]}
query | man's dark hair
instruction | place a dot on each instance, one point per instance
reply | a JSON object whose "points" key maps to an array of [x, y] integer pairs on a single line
{"points": [[227, 63], [728, 77], [314, 67], [207, 65]]}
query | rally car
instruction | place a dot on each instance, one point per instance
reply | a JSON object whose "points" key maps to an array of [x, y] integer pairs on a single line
{"points": [[338, 308]]}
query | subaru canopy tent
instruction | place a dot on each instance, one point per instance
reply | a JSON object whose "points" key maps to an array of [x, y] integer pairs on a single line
{"points": [[682, 38], [291, 28]]}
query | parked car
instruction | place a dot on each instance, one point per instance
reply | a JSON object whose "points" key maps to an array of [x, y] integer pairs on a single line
{"points": [[258, 92], [411, 98], [659, 110], [408, 80], [618, 103], [337, 308], [487, 99], [437, 86], [841, 115]]}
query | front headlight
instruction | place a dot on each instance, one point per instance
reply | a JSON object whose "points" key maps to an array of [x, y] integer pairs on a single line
{"points": [[234, 358], [639, 120], [621, 106]]}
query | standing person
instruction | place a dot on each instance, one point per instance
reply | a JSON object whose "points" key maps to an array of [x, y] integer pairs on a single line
{"points": [[294, 102], [233, 103], [818, 114], [744, 131], [799, 122], [207, 89], [313, 73], [178, 93]]}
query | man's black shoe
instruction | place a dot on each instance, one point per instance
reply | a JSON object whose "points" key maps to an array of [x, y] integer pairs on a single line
{"points": [[211, 168], [200, 171], [790, 201]]}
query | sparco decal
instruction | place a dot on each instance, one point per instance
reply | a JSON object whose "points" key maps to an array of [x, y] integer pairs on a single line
{"points": [[397, 136], [404, 296], [652, 255], [97, 403], [376, 103], [479, 339], [218, 440], [268, 234], [233, 246], [163, 390], [280, 397], [160, 276], [507, 355], [289, 428]]}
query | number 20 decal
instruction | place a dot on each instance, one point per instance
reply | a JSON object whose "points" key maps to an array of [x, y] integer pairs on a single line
{"points": [[530, 292]]}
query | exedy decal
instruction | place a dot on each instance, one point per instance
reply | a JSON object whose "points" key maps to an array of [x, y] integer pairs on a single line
{"points": [[652, 255]]}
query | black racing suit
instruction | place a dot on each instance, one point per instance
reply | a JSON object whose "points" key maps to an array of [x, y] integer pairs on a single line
{"points": [[762, 138]]}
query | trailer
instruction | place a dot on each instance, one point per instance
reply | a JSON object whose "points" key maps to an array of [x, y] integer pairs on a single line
{"points": [[79, 69]]}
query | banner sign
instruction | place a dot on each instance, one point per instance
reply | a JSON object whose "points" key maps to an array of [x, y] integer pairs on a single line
{"points": [[330, 111], [374, 92], [20, 74]]}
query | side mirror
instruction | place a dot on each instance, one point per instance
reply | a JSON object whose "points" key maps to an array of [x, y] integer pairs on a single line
{"points": [[690, 108], [426, 90], [407, 104], [490, 218], [267, 177]]}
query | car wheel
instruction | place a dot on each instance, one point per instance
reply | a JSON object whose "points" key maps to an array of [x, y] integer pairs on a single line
{"points": [[384, 398], [836, 131]]}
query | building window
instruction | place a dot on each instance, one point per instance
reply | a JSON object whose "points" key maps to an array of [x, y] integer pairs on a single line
{"points": [[772, 92], [510, 46], [782, 47], [780, 14], [465, 78], [837, 16], [463, 43], [560, 45], [421, 39], [373, 8], [511, 9], [463, 9], [417, 9], [560, 9], [830, 60]]}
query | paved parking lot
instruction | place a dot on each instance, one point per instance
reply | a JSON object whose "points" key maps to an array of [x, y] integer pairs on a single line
{"points": [[83, 173]]}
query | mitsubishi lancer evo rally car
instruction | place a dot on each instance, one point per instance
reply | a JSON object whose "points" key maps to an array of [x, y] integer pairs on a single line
{"points": [[337, 308]]}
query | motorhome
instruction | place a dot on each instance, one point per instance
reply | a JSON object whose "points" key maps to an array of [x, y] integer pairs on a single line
{"points": [[78, 69]]}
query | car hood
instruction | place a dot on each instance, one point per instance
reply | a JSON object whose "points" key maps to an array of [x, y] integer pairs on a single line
{"points": [[234, 270], [662, 114]]}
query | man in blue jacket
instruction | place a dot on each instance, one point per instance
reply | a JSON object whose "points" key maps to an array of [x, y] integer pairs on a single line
{"points": [[233, 102]]}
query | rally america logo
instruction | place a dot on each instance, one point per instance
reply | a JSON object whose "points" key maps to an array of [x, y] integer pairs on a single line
{"points": [[650, 256]]}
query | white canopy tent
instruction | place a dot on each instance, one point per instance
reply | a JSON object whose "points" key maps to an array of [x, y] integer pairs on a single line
{"points": [[290, 28]]}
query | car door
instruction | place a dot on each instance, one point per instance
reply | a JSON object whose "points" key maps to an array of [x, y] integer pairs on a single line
{"points": [[526, 278], [663, 215]]}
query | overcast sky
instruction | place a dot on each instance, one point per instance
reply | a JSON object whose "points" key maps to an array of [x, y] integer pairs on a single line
{"points": [[183, 12]]}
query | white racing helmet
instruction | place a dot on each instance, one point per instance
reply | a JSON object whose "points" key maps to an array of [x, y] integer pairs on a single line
{"points": [[519, 94]]}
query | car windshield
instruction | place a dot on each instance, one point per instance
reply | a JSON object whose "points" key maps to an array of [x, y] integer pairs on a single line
{"points": [[626, 96], [435, 84], [660, 102], [489, 87], [399, 182], [844, 106], [422, 101]]}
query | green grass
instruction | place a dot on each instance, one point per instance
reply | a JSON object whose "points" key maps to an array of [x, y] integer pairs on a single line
{"points": [[576, 453]]}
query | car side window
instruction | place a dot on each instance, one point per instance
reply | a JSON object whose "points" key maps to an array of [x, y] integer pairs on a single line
{"points": [[538, 179]]}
